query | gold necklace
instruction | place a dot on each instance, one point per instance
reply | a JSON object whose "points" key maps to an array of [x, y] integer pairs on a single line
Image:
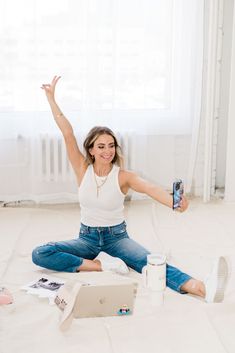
{"points": [[98, 186]]}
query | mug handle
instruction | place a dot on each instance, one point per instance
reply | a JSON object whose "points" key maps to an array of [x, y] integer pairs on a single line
{"points": [[145, 276]]}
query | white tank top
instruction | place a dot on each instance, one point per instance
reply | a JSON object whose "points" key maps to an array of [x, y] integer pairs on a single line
{"points": [[106, 208]]}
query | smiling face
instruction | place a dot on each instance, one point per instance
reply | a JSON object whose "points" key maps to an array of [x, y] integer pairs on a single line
{"points": [[103, 150]]}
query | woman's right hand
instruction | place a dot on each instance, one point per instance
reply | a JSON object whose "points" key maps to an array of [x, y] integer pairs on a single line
{"points": [[49, 88]]}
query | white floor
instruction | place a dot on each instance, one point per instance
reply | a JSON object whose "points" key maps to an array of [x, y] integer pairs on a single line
{"points": [[184, 323]]}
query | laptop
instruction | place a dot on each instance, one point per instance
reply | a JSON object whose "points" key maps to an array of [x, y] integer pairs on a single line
{"points": [[105, 296], [104, 300]]}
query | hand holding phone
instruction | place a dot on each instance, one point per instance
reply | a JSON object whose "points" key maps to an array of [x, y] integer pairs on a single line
{"points": [[178, 190]]}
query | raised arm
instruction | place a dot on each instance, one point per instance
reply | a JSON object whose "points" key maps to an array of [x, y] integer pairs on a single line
{"points": [[136, 183], [75, 156]]}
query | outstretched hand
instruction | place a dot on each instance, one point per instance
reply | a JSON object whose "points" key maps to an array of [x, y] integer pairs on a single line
{"points": [[49, 88], [183, 204]]}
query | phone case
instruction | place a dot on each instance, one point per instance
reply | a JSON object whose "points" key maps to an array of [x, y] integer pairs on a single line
{"points": [[178, 190]]}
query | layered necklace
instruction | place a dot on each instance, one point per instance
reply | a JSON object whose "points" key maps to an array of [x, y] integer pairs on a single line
{"points": [[100, 181]]}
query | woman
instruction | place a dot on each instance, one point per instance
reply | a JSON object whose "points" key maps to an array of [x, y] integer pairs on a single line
{"points": [[103, 242]]}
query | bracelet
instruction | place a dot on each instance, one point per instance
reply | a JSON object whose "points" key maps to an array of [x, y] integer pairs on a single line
{"points": [[59, 115]]}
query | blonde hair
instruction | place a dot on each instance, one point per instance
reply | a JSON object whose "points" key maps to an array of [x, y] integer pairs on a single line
{"points": [[93, 135]]}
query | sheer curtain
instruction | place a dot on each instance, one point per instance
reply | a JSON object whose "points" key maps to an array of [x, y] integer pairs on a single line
{"points": [[134, 65], [131, 64]]}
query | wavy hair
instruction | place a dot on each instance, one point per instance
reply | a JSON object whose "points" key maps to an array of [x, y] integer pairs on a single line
{"points": [[93, 135]]}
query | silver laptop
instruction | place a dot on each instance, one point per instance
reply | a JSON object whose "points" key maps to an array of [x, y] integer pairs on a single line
{"points": [[96, 300]]}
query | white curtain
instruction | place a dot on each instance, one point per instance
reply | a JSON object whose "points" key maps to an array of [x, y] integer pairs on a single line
{"points": [[133, 65]]}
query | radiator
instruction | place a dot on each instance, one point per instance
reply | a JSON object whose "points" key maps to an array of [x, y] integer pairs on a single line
{"points": [[51, 160], [52, 164]]}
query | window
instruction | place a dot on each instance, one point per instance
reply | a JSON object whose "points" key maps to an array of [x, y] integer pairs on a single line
{"points": [[131, 64]]}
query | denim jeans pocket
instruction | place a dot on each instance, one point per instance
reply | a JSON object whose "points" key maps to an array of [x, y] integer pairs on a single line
{"points": [[120, 230], [83, 230]]}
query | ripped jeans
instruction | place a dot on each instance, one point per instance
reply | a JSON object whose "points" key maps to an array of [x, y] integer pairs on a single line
{"points": [[68, 255]]}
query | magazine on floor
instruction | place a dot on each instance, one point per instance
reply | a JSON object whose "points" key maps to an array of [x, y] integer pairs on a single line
{"points": [[44, 287]]}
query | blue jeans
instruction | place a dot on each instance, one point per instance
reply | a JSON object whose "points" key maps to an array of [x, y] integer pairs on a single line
{"points": [[68, 255]]}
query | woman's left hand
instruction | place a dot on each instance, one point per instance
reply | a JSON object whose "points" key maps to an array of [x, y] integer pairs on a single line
{"points": [[183, 204]]}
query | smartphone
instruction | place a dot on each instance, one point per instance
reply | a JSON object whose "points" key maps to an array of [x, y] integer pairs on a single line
{"points": [[178, 190]]}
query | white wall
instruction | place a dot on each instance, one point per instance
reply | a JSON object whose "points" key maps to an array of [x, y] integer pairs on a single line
{"points": [[230, 158], [222, 171], [224, 93]]}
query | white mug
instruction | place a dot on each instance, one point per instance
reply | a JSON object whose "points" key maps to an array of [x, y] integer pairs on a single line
{"points": [[154, 273]]}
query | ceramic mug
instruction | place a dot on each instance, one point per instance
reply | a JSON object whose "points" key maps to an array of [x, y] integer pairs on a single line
{"points": [[154, 273]]}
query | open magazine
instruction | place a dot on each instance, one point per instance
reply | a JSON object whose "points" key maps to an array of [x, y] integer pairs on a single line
{"points": [[44, 287]]}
